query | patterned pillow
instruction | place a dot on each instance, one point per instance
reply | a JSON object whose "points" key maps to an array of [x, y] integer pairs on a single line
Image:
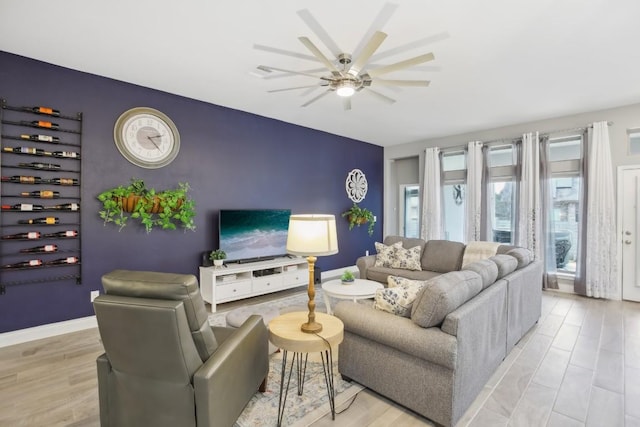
{"points": [[408, 259], [386, 254], [398, 298]]}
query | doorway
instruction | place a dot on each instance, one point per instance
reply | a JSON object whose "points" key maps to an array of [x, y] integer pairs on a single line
{"points": [[629, 221]]}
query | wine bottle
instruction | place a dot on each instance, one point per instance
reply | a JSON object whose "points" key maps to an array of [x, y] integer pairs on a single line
{"points": [[61, 261], [68, 233], [64, 207], [41, 124], [39, 165], [22, 207], [31, 235], [40, 249], [49, 220], [66, 154], [43, 194], [41, 138], [25, 150], [23, 264], [63, 181], [22, 179], [43, 110]]}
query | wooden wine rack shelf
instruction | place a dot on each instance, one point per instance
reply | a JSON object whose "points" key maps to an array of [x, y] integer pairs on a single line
{"points": [[14, 122]]}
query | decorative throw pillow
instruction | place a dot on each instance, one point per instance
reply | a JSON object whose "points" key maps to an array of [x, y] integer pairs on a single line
{"points": [[386, 254], [398, 298], [408, 259]]}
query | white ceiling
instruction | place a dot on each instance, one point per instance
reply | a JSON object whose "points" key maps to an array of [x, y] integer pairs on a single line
{"points": [[502, 62]]}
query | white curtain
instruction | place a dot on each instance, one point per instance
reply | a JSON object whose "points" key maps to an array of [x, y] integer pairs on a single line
{"points": [[474, 191], [432, 196], [529, 221], [601, 256]]}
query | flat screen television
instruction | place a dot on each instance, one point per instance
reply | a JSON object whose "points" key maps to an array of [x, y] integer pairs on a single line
{"points": [[253, 234]]}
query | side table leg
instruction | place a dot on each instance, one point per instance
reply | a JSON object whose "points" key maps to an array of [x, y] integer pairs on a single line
{"points": [[327, 368], [302, 371], [283, 397]]}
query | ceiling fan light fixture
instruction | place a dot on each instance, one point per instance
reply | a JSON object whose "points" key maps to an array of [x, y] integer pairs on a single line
{"points": [[346, 88]]}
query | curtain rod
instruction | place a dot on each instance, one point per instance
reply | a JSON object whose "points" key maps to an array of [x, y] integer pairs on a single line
{"points": [[464, 147]]}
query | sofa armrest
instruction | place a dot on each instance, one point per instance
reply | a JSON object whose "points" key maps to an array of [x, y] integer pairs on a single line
{"points": [[363, 263], [227, 380], [104, 369], [398, 332]]}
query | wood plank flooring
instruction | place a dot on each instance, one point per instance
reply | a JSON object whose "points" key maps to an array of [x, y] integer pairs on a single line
{"points": [[579, 366]]}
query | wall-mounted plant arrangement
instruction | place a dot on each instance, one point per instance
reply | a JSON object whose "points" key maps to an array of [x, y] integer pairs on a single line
{"points": [[358, 216], [166, 209]]}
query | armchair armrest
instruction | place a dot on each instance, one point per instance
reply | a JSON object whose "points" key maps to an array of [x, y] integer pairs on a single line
{"points": [[225, 383], [363, 263]]}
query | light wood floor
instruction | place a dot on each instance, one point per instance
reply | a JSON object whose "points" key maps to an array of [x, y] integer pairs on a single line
{"points": [[580, 366]]}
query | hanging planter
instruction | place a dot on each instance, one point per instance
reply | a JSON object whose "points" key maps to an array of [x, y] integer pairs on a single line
{"points": [[164, 209], [358, 216]]}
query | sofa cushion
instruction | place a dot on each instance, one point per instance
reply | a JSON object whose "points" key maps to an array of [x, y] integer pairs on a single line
{"points": [[506, 264], [486, 269], [406, 242], [443, 294], [522, 255], [399, 296], [442, 256], [381, 274], [386, 254], [407, 259]]}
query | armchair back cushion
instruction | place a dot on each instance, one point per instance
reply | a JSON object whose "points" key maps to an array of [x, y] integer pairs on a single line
{"points": [[167, 286]]}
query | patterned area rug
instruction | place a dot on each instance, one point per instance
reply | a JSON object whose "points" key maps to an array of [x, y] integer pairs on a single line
{"points": [[262, 409]]}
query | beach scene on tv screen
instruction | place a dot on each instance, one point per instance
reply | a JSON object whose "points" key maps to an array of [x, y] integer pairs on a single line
{"points": [[250, 234]]}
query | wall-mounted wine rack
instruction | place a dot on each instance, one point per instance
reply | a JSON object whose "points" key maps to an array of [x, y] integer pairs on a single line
{"points": [[40, 193]]}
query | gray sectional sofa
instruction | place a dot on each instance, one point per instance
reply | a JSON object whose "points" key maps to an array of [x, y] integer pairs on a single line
{"points": [[463, 323]]}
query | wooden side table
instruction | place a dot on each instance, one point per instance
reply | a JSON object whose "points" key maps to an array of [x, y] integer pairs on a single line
{"points": [[285, 333]]}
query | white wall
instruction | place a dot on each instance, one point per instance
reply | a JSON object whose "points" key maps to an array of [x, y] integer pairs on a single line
{"points": [[623, 118]]}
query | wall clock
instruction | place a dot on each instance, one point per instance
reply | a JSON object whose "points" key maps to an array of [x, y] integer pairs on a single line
{"points": [[146, 137], [356, 185]]}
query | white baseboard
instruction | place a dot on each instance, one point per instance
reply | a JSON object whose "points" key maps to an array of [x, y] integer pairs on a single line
{"points": [[46, 331], [335, 274]]}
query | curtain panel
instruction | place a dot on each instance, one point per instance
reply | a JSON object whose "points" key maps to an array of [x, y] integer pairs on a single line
{"points": [[475, 173], [432, 196], [528, 216]]}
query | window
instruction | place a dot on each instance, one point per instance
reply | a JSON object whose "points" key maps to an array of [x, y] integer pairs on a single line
{"points": [[565, 156], [410, 210], [634, 142], [501, 193], [453, 194]]}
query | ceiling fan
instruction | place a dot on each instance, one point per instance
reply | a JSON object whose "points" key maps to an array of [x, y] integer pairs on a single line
{"points": [[348, 73]]}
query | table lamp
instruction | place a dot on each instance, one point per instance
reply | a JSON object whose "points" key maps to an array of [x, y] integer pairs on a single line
{"points": [[310, 236]]}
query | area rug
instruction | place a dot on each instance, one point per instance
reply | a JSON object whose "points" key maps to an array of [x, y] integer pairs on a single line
{"points": [[262, 409]]}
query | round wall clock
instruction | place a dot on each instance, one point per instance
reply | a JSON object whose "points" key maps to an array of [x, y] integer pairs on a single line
{"points": [[146, 137]]}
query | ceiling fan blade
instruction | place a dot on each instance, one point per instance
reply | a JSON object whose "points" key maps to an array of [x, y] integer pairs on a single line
{"points": [[285, 52], [346, 103], [314, 99], [319, 31], [301, 73], [292, 88], [374, 43], [380, 96], [283, 74], [312, 47], [377, 25], [311, 90], [405, 47], [402, 64], [416, 83]]}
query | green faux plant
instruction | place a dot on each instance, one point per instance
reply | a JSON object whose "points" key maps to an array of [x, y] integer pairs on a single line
{"points": [[358, 216], [217, 254], [347, 276], [164, 209]]}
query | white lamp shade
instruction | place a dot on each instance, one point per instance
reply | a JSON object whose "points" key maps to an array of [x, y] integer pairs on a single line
{"points": [[312, 235]]}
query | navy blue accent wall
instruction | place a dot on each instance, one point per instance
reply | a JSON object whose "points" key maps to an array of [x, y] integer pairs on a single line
{"points": [[231, 159]]}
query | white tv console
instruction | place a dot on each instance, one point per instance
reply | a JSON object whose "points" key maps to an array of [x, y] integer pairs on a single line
{"points": [[237, 281]]}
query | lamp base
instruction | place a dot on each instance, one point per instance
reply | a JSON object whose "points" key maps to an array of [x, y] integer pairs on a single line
{"points": [[311, 327]]}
